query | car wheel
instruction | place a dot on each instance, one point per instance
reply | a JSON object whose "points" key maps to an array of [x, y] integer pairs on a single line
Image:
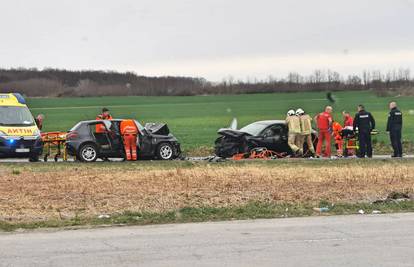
{"points": [[165, 151], [88, 153]]}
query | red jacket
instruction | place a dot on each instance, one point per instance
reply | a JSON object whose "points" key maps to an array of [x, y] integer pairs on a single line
{"points": [[324, 121], [349, 121]]}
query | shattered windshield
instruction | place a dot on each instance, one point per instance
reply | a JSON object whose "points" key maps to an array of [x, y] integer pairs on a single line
{"points": [[15, 116], [254, 129]]}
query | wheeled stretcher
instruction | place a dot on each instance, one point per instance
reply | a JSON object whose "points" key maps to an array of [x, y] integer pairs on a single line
{"points": [[54, 141]]}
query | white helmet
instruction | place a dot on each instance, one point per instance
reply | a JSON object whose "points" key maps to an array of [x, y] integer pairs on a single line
{"points": [[291, 112], [299, 112]]}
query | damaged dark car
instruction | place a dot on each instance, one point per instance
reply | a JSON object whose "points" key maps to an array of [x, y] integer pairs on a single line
{"points": [[154, 141], [270, 134]]}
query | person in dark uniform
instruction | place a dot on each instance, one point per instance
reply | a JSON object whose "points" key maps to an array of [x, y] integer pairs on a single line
{"points": [[365, 123], [394, 127]]}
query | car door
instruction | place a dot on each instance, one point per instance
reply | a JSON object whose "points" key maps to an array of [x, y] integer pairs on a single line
{"points": [[101, 134], [115, 139], [275, 137]]}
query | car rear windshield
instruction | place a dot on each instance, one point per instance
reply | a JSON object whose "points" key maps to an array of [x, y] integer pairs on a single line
{"points": [[15, 116], [254, 129], [74, 128]]}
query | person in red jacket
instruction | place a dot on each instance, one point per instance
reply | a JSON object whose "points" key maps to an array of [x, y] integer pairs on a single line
{"points": [[349, 125], [324, 123], [348, 120], [129, 132]]}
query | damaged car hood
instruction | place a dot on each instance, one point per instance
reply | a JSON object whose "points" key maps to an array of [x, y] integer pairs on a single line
{"points": [[157, 128], [232, 132]]}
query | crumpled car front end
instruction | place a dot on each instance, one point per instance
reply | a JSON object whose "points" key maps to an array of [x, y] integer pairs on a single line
{"points": [[231, 142], [160, 133]]}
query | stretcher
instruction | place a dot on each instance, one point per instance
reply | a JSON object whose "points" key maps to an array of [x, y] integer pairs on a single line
{"points": [[54, 141], [351, 142]]}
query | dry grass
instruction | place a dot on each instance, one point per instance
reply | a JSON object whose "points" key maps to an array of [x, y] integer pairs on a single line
{"points": [[49, 194]]}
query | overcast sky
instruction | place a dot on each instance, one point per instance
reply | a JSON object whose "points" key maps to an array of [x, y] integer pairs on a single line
{"points": [[208, 38]]}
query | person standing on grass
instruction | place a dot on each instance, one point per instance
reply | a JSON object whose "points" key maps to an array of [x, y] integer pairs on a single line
{"points": [[129, 132], [306, 131], [293, 123], [324, 123], [337, 135], [348, 120], [365, 123], [394, 127], [349, 126]]}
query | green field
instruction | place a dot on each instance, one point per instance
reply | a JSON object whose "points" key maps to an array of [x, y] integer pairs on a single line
{"points": [[195, 119]]}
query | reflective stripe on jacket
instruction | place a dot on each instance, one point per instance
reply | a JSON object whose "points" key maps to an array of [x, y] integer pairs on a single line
{"points": [[293, 123]]}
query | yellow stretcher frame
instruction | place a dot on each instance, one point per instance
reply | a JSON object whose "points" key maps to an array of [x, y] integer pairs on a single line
{"points": [[55, 140], [356, 140]]}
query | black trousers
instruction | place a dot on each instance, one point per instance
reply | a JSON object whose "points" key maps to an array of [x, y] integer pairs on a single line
{"points": [[395, 136], [365, 144]]}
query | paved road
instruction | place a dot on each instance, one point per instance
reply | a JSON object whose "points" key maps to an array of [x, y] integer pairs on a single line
{"points": [[360, 240]]}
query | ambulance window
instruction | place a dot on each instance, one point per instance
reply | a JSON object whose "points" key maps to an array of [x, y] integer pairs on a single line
{"points": [[15, 116]]}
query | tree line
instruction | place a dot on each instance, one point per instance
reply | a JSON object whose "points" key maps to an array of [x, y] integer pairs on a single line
{"points": [[66, 83]]}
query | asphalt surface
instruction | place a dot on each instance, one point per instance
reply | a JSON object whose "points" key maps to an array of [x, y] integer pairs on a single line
{"points": [[357, 240]]}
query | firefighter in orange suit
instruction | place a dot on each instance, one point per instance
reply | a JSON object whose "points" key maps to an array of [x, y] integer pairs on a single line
{"points": [[129, 132], [337, 134]]}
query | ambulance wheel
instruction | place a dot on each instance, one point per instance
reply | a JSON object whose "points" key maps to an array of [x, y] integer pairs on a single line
{"points": [[165, 151], [87, 153]]}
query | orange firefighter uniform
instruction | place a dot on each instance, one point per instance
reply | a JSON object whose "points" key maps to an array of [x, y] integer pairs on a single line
{"points": [[337, 134], [129, 132]]}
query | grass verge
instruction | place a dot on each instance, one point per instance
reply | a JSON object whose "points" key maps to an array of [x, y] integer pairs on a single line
{"points": [[252, 210]]}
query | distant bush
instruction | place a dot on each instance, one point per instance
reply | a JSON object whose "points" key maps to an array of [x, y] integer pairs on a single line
{"points": [[64, 83]]}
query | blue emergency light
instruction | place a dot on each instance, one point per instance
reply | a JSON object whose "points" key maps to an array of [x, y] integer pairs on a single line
{"points": [[20, 98], [11, 141]]}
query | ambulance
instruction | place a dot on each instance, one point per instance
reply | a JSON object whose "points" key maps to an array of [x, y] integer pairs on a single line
{"points": [[19, 135]]}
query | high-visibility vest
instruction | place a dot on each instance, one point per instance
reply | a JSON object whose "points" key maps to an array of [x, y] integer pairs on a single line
{"points": [[128, 127], [337, 129], [100, 128]]}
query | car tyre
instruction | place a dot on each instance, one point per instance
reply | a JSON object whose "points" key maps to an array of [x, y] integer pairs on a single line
{"points": [[88, 153], [165, 151]]}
